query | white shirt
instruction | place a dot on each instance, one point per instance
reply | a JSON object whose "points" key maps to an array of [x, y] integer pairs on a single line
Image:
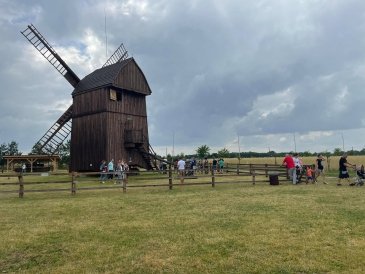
{"points": [[181, 164], [297, 162]]}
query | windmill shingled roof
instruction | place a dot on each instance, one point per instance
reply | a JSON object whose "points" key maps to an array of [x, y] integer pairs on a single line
{"points": [[101, 77]]}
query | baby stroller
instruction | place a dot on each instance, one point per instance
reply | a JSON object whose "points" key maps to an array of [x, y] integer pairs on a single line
{"points": [[360, 176]]}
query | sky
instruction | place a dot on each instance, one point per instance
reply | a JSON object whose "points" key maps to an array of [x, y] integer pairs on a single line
{"points": [[280, 75]]}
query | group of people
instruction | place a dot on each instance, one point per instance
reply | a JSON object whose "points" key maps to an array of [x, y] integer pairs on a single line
{"points": [[109, 171], [192, 166], [315, 173]]}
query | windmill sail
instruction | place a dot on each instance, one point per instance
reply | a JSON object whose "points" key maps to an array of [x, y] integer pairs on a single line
{"points": [[61, 129], [119, 55], [56, 135], [41, 44]]}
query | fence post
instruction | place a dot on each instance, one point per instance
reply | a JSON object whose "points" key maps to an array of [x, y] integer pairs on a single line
{"points": [[253, 177], [170, 177], [21, 185], [266, 171], [213, 178], [250, 168], [73, 184], [238, 169], [287, 174], [125, 181]]}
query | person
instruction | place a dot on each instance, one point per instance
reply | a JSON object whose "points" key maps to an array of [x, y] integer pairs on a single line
{"points": [[181, 169], [320, 168], [309, 172], [221, 165], [103, 168], [193, 166], [24, 168], [214, 165], [290, 165], [298, 166], [361, 172], [111, 169], [343, 172], [125, 170], [118, 171], [206, 165]]}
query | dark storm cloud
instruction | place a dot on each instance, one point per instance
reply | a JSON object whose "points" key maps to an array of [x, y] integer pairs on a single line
{"points": [[216, 69]]}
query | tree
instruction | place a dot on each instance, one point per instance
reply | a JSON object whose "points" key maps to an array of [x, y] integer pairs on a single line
{"points": [[223, 153], [337, 152], [180, 156], [13, 149], [64, 153], [202, 151], [3, 151]]}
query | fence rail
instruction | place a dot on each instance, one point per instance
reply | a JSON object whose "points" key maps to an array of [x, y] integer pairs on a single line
{"points": [[82, 181]]}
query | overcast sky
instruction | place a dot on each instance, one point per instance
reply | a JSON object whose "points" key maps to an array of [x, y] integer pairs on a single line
{"points": [[269, 71]]}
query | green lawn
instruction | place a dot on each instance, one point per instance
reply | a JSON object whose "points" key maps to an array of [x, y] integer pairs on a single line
{"points": [[232, 228]]}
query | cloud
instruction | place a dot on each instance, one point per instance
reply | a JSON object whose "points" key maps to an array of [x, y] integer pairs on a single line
{"points": [[264, 70]]}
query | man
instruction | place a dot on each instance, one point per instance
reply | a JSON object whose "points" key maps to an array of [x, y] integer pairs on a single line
{"points": [[181, 169], [290, 165], [214, 165], [344, 174], [298, 166]]}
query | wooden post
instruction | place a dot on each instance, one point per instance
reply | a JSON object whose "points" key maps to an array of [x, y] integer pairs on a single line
{"points": [[253, 177], [125, 181], [287, 174], [266, 171], [213, 178], [170, 177], [73, 184], [21, 185], [250, 168]]}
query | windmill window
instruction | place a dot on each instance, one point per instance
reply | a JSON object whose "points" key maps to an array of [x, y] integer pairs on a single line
{"points": [[115, 95], [119, 96]]}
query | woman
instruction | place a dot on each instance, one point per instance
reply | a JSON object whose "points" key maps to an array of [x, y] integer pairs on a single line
{"points": [[320, 168]]}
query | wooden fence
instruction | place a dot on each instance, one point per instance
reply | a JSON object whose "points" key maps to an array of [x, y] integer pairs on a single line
{"points": [[86, 181]]}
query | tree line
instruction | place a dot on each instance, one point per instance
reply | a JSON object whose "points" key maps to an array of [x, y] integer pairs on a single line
{"points": [[203, 151]]}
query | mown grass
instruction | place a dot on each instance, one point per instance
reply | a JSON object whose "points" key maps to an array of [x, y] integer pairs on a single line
{"points": [[232, 228]]}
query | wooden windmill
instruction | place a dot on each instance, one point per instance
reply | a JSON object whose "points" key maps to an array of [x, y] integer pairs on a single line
{"points": [[108, 117]]}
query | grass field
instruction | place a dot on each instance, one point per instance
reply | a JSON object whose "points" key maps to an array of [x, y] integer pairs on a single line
{"points": [[232, 228]]}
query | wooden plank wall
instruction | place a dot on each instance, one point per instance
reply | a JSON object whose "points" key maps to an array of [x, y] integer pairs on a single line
{"points": [[132, 78], [98, 128]]}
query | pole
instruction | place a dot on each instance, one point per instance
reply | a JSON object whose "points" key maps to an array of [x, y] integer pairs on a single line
{"points": [[173, 145], [295, 143], [343, 142], [239, 150]]}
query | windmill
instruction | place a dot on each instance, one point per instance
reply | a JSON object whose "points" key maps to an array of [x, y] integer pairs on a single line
{"points": [[108, 117]]}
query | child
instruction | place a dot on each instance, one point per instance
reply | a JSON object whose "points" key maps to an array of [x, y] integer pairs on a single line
{"points": [[309, 173], [360, 172]]}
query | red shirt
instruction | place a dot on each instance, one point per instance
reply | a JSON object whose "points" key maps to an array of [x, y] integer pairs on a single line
{"points": [[309, 172], [289, 161]]}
